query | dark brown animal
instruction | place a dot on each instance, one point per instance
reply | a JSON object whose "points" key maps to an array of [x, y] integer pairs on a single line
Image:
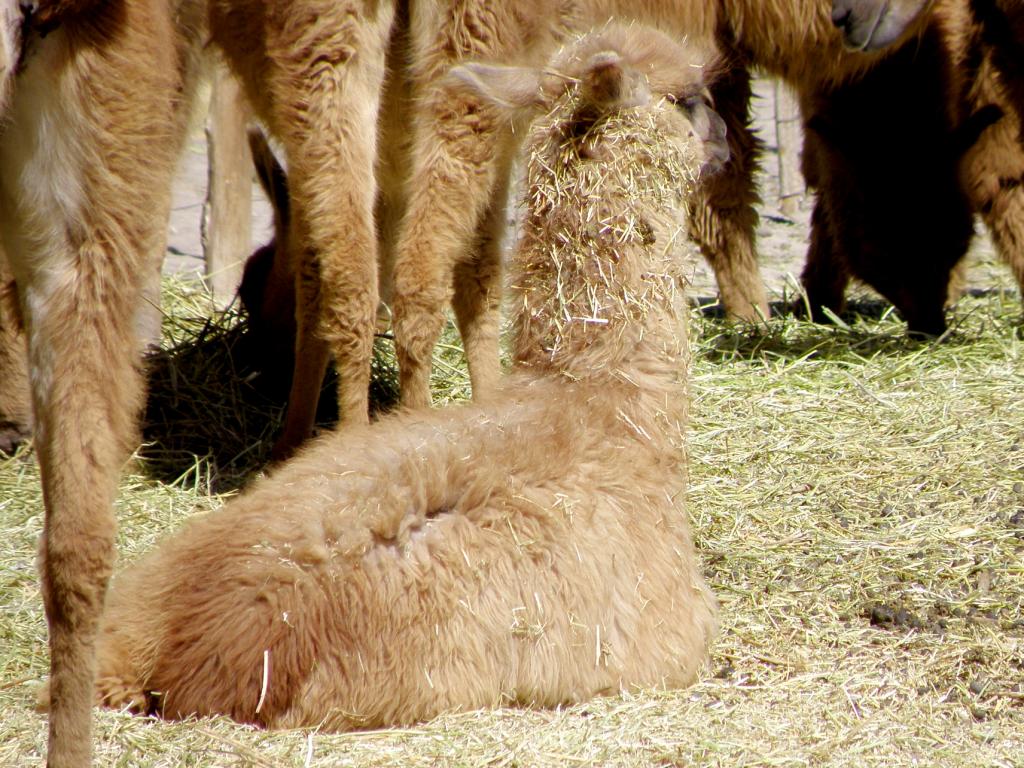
{"points": [[884, 153], [983, 70]]}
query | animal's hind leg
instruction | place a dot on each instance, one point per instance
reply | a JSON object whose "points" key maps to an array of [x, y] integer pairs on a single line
{"points": [[81, 217], [325, 77], [454, 174], [723, 219]]}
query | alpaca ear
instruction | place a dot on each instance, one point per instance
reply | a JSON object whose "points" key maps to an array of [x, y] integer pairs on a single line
{"points": [[609, 83], [509, 87]]}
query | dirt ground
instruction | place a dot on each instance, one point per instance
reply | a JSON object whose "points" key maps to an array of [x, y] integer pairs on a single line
{"points": [[782, 240]]}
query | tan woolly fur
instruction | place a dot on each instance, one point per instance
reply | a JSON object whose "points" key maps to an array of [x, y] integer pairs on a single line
{"points": [[534, 550]]}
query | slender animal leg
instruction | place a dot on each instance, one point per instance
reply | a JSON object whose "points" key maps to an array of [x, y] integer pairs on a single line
{"points": [[723, 219], [451, 183], [87, 157], [325, 71], [477, 289], [456, 189]]}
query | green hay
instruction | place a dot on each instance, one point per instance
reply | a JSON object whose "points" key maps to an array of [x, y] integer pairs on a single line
{"points": [[858, 501]]}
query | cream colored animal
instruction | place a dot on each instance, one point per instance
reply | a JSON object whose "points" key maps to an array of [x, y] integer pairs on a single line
{"points": [[534, 550]]}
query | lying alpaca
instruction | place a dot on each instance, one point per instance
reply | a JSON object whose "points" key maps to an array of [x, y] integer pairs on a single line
{"points": [[534, 550]]}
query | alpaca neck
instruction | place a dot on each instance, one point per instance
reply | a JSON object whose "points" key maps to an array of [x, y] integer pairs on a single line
{"points": [[576, 320], [598, 272]]}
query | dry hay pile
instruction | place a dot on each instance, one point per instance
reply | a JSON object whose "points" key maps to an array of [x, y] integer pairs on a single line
{"points": [[215, 403], [859, 504]]}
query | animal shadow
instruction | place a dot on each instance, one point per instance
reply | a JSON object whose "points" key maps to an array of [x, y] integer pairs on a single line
{"points": [[868, 326], [215, 403]]}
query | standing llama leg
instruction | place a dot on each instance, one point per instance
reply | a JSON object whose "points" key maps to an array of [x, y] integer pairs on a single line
{"points": [[87, 157], [461, 153], [723, 219], [326, 68], [456, 201], [476, 300]]}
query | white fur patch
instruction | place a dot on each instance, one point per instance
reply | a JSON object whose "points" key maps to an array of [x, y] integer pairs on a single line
{"points": [[43, 163]]}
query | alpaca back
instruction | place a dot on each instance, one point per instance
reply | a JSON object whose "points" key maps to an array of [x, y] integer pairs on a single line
{"points": [[534, 552]]}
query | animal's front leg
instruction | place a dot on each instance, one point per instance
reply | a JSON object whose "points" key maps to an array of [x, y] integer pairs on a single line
{"points": [[326, 76], [723, 219], [477, 285], [79, 285], [86, 159]]}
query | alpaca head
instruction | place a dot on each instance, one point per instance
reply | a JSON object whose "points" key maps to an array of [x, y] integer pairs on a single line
{"points": [[625, 132]]}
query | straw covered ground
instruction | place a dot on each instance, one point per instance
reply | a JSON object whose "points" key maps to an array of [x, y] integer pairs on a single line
{"points": [[858, 500]]}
